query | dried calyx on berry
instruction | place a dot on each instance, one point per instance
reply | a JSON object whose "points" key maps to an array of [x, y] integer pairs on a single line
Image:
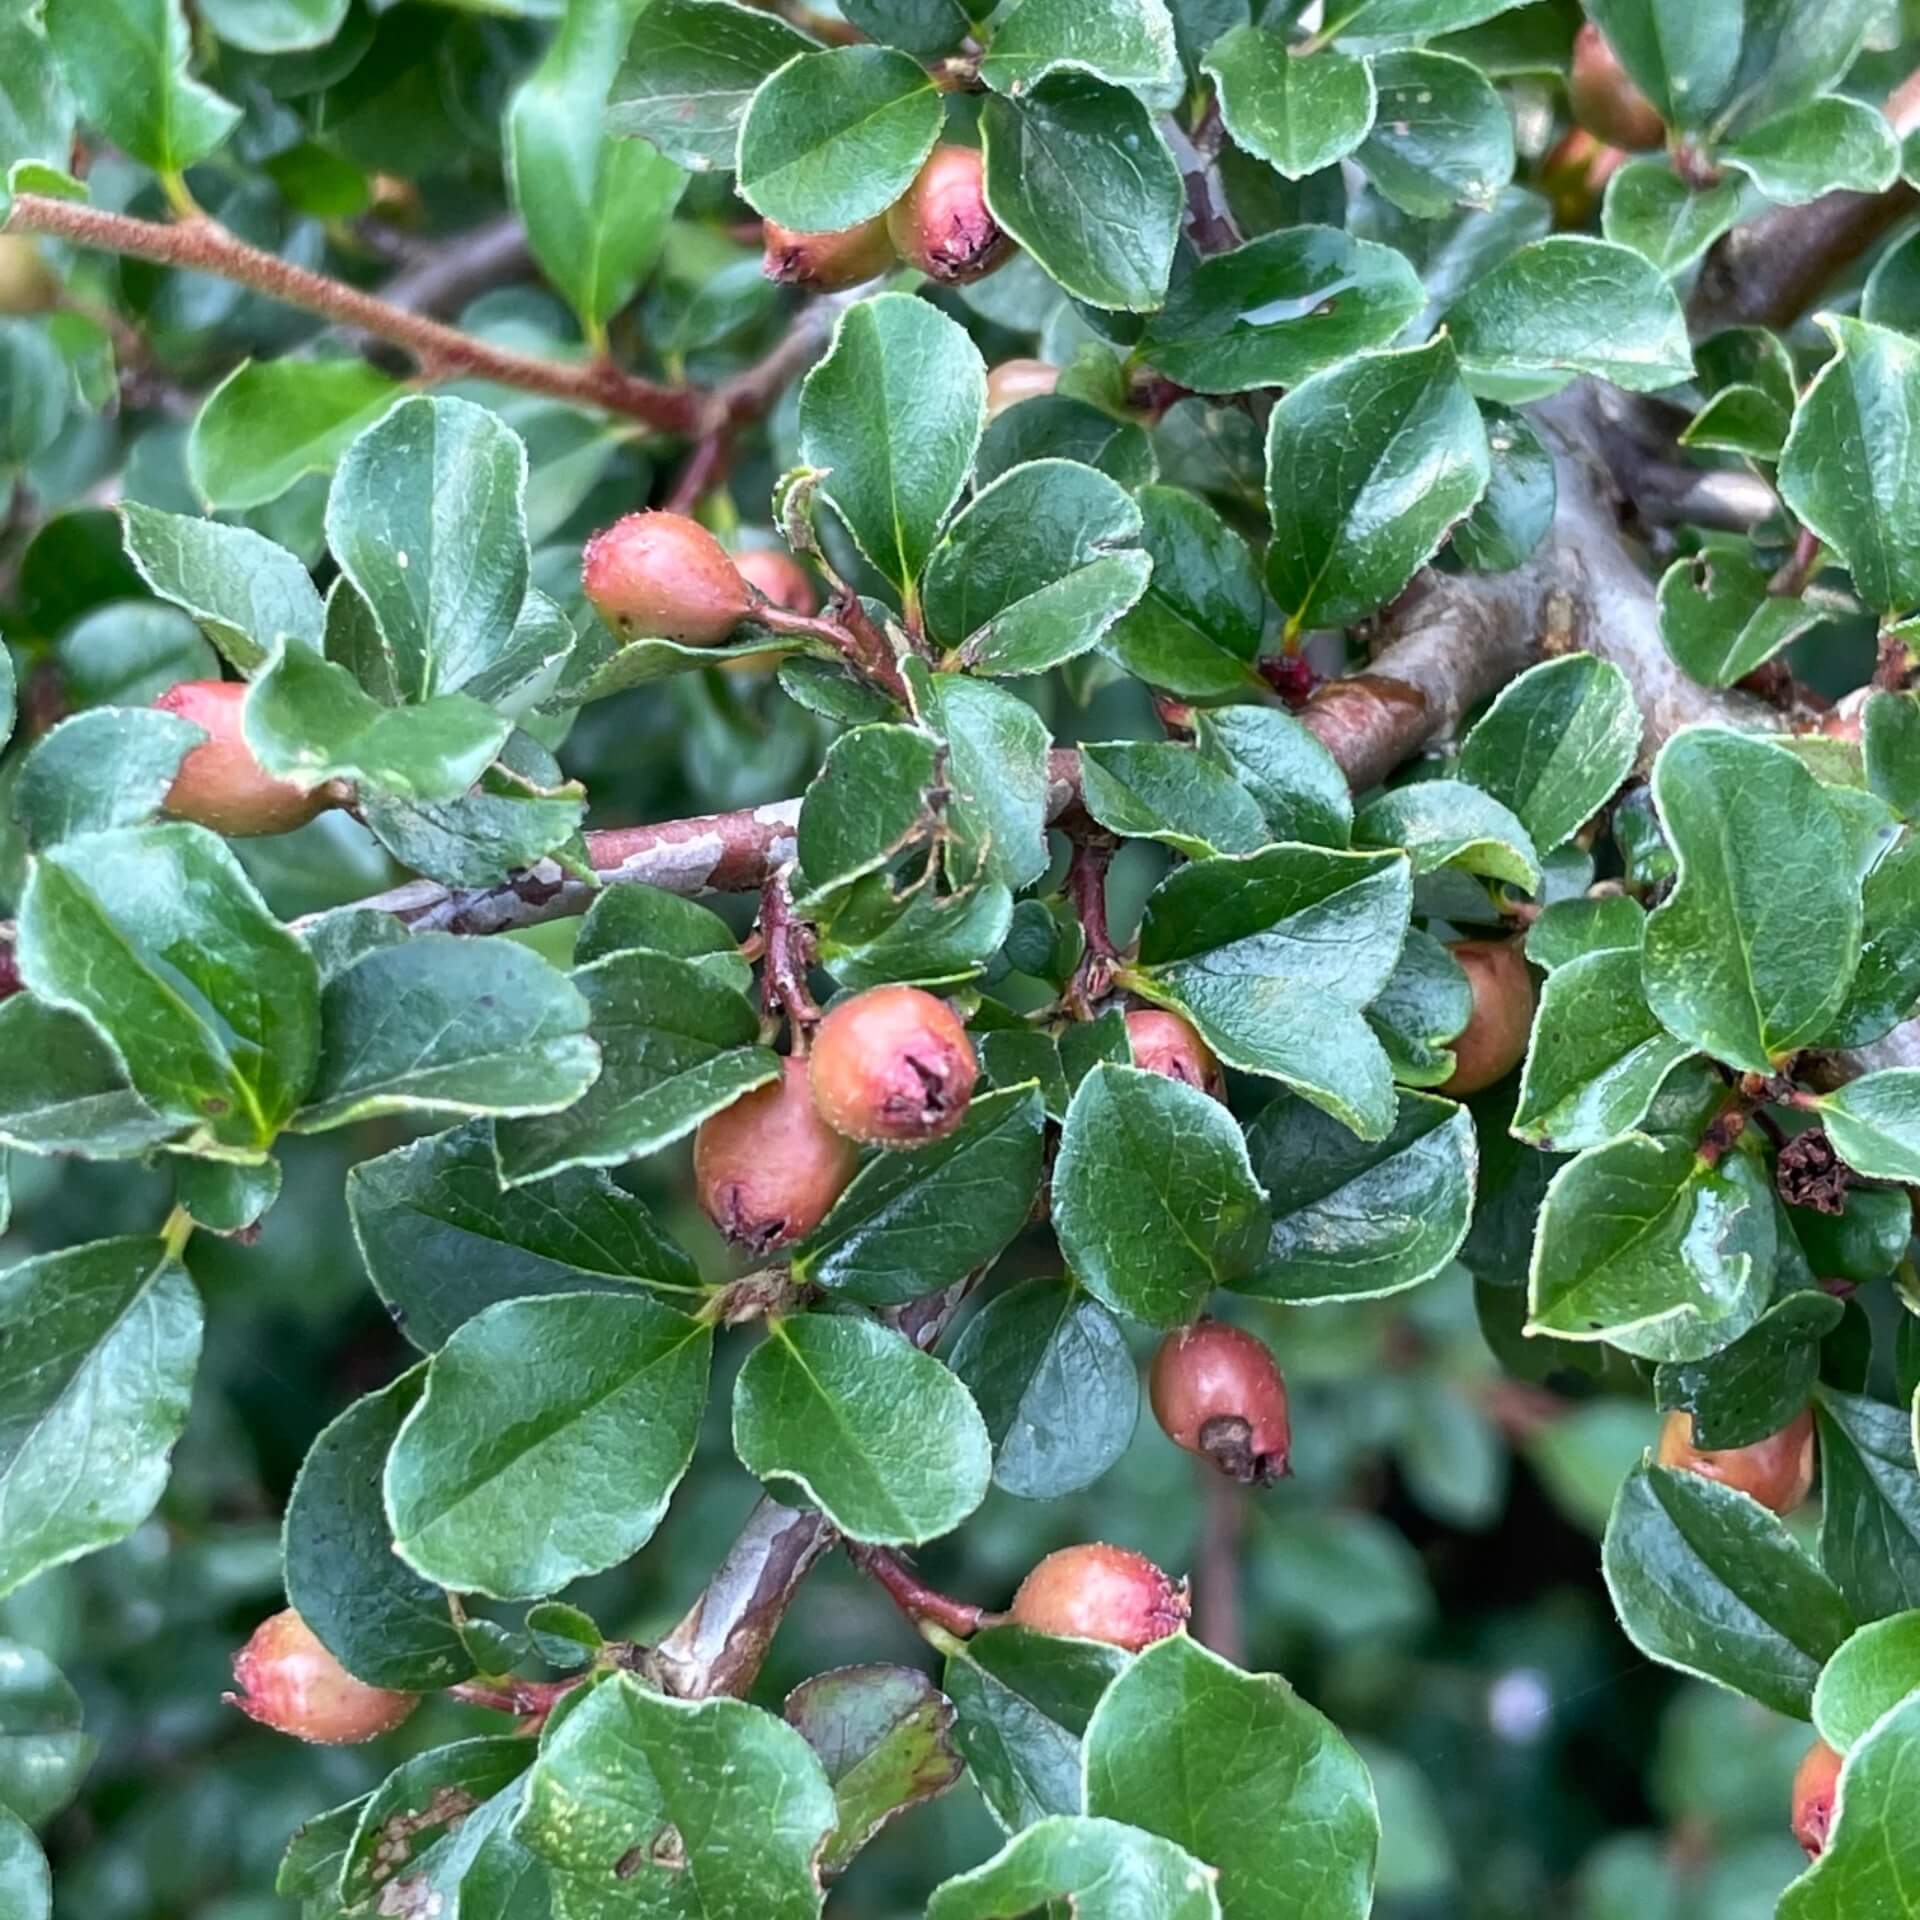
{"points": [[1776, 1471], [941, 224], [1815, 1788], [1166, 1044], [1605, 100], [1098, 1592], [780, 577], [825, 262], [893, 1067], [661, 576], [768, 1169], [220, 784], [1217, 1391], [1495, 1038], [289, 1681]]}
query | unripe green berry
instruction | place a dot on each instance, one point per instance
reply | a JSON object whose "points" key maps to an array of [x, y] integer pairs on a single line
{"points": [[1098, 1592], [289, 1681], [661, 576], [893, 1067], [220, 784]]}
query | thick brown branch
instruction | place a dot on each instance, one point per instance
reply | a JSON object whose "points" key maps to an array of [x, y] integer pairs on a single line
{"points": [[443, 352]]}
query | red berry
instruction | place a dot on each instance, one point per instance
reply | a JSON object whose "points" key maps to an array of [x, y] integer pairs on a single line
{"points": [[662, 576], [1015, 380], [941, 224], [1814, 1788], [220, 784], [780, 577], [1166, 1044], [1495, 1040], [1776, 1471], [768, 1168], [826, 261], [289, 1681], [1605, 99], [1101, 1593], [1218, 1392], [893, 1067]]}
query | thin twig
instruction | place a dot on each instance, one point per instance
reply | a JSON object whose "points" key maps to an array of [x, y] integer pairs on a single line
{"points": [[913, 1596], [789, 950]]}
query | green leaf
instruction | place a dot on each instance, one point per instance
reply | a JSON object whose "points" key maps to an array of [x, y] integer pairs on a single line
{"points": [[225, 1198], [1447, 823], [63, 1089], [1719, 621], [1670, 223], [596, 207], [1079, 174], [676, 1044], [1368, 465], [1525, 327], [1867, 1868], [1886, 986], [924, 27], [8, 696], [1197, 630], [1706, 1580], [1154, 1199], [1296, 113], [1871, 1675], [1353, 1219], [95, 1376], [43, 1753], [1759, 1384], [1843, 473], [157, 936], [883, 1736], [1742, 419], [878, 1435], [308, 721], [370, 1610], [25, 1884], [1296, 782], [36, 109], [1393, 19], [1598, 1055], [868, 802], [275, 26], [1036, 568], [106, 767], [690, 70], [247, 592], [126, 62], [1284, 306], [1569, 929], [1273, 955], [1127, 42], [1442, 137], [270, 423], [893, 415], [1556, 745], [498, 1481], [836, 137], [1158, 790], [1512, 517], [1107, 1871], [1240, 1771], [427, 520], [633, 914], [1023, 1700], [913, 1223], [1874, 1123], [1643, 1245], [1831, 142], [1052, 1375], [1424, 1006], [1058, 426], [1890, 743], [443, 1240], [997, 780], [1750, 957], [1870, 1503], [638, 1800], [448, 1025], [926, 938]]}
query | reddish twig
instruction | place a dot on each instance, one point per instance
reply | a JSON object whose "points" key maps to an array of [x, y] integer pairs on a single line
{"points": [[1086, 890], [788, 945], [1218, 1619], [536, 1698], [913, 1596], [856, 639], [1796, 573], [701, 471]]}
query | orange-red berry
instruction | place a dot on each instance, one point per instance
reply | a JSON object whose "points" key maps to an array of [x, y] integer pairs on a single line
{"points": [[220, 784], [1165, 1043], [1605, 100], [893, 1067], [1217, 1391], [824, 262], [941, 224], [768, 1168], [1814, 1789], [1495, 1039], [1015, 380], [661, 576], [1101, 1593], [1776, 1471], [780, 577], [289, 1681]]}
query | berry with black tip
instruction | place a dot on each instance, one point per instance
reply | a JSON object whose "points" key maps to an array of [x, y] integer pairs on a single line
{"points": [[1217, 1391], [767, 1169]]}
